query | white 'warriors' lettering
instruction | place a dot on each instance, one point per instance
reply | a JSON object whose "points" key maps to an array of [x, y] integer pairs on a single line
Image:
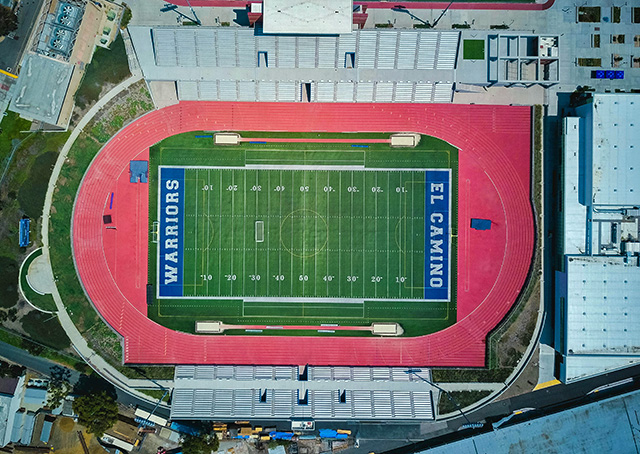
{"points": [[171, 230]]}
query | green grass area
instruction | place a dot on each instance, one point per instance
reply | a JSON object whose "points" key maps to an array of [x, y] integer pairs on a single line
{"points": [[33, 190], [456, 400], [131, 104], [8, 282], [45, 328], [44, 302], [12, 126], [473, 49], [347, 234], [107, 66]]}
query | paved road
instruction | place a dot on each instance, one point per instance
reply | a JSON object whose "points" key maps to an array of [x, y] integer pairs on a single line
{"points": [[44, 366], [11, 49]]}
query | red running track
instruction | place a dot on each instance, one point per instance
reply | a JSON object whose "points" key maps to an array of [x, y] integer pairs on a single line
{"points": [[494, 172], [480, 5]]}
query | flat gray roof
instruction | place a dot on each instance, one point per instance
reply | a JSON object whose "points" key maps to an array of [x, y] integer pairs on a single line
{"points": [[614, 141], [603, 305], [41, 88], [308, 17], [606, 426]]}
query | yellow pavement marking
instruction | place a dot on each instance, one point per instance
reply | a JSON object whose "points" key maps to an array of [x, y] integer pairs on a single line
{"points": [[547, 384]]}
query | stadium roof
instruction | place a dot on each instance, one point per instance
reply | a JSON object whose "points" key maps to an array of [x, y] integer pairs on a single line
{"points": [[575, 212], [244, 392], [602, 294], [225, 64], [607, 426], [613, 138], [309, 17], [41, 88]]}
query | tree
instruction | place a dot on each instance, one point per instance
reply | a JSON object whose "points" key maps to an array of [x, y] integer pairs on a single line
{"points": [[201, 444], [59, 386], [126, 16], [98, 412], [8, 21]]}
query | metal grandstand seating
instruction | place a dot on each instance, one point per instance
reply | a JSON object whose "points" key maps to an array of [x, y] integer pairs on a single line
{"points": [[344, 91], [384, 92], [407, 50], [364, 92], [447, 50], [266, 90], [387, 50], [188, 90], [327, 51]]}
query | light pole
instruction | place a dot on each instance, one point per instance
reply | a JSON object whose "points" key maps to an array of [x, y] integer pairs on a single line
{"points": [[449, 396]]}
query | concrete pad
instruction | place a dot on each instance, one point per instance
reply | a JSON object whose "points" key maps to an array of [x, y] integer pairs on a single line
{"points": [[163, 93], [40, 276]]}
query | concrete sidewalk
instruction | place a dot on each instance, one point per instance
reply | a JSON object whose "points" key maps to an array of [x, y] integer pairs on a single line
{"points": [[106, 370]]}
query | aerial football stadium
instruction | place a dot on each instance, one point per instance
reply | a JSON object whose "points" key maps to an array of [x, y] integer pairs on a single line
{"points": [[320, 234]]}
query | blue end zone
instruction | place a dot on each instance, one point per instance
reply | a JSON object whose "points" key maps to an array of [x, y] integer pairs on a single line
{"points": [[437, 227], [171, 232]]}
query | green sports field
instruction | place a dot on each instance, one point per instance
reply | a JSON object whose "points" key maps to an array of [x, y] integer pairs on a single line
{"points": [[301, 233]]}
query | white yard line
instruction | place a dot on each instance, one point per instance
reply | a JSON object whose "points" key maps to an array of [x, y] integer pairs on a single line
{"points": [[195, 241]]}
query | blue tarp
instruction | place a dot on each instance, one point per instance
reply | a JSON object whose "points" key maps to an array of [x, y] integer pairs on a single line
{"points": [[330, 433], [139, 171], [184, 429], [481, 224], [24, 232], [281, 435]]}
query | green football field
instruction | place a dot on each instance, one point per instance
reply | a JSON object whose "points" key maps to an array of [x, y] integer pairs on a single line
{"points": [[302, 234]]}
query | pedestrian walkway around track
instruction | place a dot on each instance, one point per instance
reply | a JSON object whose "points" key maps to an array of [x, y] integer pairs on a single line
{"points": [[106, 370]]}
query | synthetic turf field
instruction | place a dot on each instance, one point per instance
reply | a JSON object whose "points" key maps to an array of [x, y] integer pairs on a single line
{"points": [[300, 244]]}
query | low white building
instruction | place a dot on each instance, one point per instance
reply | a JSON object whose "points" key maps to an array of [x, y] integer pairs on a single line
{"points": [[597, 300]]}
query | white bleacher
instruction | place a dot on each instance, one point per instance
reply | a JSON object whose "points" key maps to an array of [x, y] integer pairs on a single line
{"points": [[246, 50], [387, 43], [288, 91], [286, 51], [227, 49], [327, 52], [372, 393], [186, 45], [428, 45], [384, 92], [193, 52], [208, 90], [228, 90], [443, 92], [266, 91], [326, 91], [407, 48], [448, 50], [344, 92], [367, 47], [268, 44], [246, 90], [404, 92], [165, 47], [423, 92], [188, 90], [306, 52], [206, 48], [376, 49], [364, 91]]}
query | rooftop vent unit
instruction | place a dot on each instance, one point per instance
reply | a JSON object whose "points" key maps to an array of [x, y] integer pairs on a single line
{"points": [[65, 20]]}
